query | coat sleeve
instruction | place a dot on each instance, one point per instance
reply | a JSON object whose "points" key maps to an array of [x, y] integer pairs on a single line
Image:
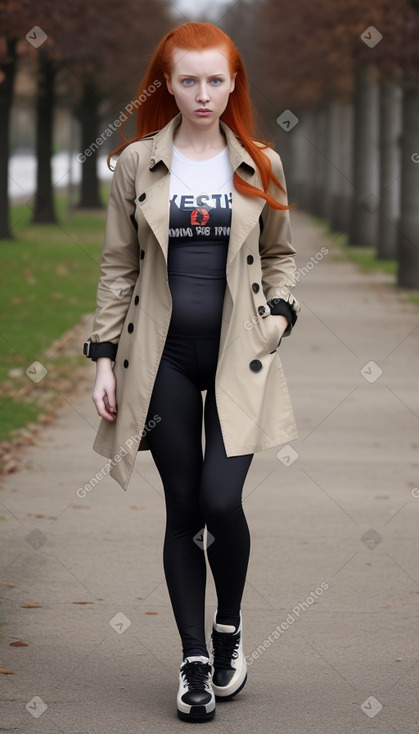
{"points": [[120, 254], [277, 253]]}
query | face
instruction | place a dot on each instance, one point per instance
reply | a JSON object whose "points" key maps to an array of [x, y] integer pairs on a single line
{"points": [[201, 83]]}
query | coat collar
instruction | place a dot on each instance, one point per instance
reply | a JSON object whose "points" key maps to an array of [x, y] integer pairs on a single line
{"points": [[163, 146], [245, 209]]}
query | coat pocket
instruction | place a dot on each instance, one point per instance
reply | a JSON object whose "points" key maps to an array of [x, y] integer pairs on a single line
{"points": [[271, 331]]}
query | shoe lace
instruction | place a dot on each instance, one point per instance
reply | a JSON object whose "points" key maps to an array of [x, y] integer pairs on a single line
{"points": [[196, 673], [225, 648]]}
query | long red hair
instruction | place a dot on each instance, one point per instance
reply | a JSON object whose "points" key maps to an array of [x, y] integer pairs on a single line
{"points": [[159, 107]]}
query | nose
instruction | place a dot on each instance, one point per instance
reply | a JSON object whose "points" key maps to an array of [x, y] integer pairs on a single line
{"points": [[202, 95]]}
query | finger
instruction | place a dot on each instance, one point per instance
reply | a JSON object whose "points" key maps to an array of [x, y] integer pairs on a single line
{"points": [[105, 413], [103, 409], [110, 402]]}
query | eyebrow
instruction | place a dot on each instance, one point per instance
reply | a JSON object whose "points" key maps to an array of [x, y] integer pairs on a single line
{"points": [[194, 76]]}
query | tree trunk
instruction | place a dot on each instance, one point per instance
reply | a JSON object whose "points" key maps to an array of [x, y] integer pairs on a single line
{"points": [[320, 173], [390, 130], [342, 208], [6, 100], [363, 226], [307, 162], [283, 146], [44, 197], [89, 118], [295, 169], [408, 245], [334, 142]]}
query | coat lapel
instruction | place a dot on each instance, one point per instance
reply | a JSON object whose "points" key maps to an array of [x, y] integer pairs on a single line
{"points": [[155, 207], [245, 213], [156, 210]]}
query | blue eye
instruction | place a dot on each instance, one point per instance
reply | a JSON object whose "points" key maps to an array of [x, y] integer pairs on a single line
{"points": [[216, 81], [186, 82]]}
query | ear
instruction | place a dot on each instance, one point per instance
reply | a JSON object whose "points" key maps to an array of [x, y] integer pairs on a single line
{"points": [[168, 84], [233, 82]]}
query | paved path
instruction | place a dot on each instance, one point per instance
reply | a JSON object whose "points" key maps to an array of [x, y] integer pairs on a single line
{"points": [[333, 578]]}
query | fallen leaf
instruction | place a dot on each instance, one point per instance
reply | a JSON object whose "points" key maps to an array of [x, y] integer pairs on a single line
{"points": [[29, 606], [398, 660], [368, 563], [10, 467], [150, 612], [386, 606], [62, 269], [19, 643], [13, 585], [16, 372], [34, 514], [136, 507], [83, 602], [46, 419], [6, 672]]}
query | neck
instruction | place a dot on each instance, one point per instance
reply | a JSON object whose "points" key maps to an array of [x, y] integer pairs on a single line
{"points": [[190, 137]]}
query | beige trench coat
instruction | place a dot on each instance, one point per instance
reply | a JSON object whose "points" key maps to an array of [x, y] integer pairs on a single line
{"points": [[134, 305]]}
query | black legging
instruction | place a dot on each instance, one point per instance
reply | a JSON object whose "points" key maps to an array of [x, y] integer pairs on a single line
{"points": [[199, 490]]}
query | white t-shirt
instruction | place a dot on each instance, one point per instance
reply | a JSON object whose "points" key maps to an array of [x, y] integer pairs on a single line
{"points": [[200, 198], [199, 232]]}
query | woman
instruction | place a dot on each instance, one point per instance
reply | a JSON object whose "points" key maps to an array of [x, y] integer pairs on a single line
{"points": [[195, 296]]}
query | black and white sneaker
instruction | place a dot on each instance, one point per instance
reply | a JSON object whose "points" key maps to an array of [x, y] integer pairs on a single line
{"points": [[195, 698], [230, 669]]}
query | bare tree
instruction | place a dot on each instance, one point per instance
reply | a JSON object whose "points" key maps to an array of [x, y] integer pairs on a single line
{"points": [[11, 14], [8, 72]]}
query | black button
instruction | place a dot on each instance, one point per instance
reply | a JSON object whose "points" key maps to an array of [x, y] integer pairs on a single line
{"points": [[141, 197], [250, 259], [126, 363], [142, 253], [130, 328], [255, 365], [136, 300], [261, 310], [255, 287]]}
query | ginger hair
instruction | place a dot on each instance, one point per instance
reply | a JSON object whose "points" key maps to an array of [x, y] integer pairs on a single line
{"points": [[160, 107]]}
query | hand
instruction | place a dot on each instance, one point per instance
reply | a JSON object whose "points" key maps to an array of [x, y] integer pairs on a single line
{"points": [[104, 389], [283, 323]]}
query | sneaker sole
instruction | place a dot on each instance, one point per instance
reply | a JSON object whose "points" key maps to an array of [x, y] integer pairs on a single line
{"points": [[220, 697], [197, 715]]}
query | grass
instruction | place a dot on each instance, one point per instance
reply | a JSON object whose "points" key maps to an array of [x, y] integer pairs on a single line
{"points": [[365, 258], [48, 281]]}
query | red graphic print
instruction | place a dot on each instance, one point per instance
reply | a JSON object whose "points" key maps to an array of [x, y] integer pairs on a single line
{"points": [[200, 217]]}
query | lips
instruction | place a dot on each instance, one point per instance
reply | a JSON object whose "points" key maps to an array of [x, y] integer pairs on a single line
{"points": [[203, 111]]}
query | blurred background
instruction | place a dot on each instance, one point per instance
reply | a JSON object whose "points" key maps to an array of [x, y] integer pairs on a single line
{"points": [[335, 86], [343, 75]]}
